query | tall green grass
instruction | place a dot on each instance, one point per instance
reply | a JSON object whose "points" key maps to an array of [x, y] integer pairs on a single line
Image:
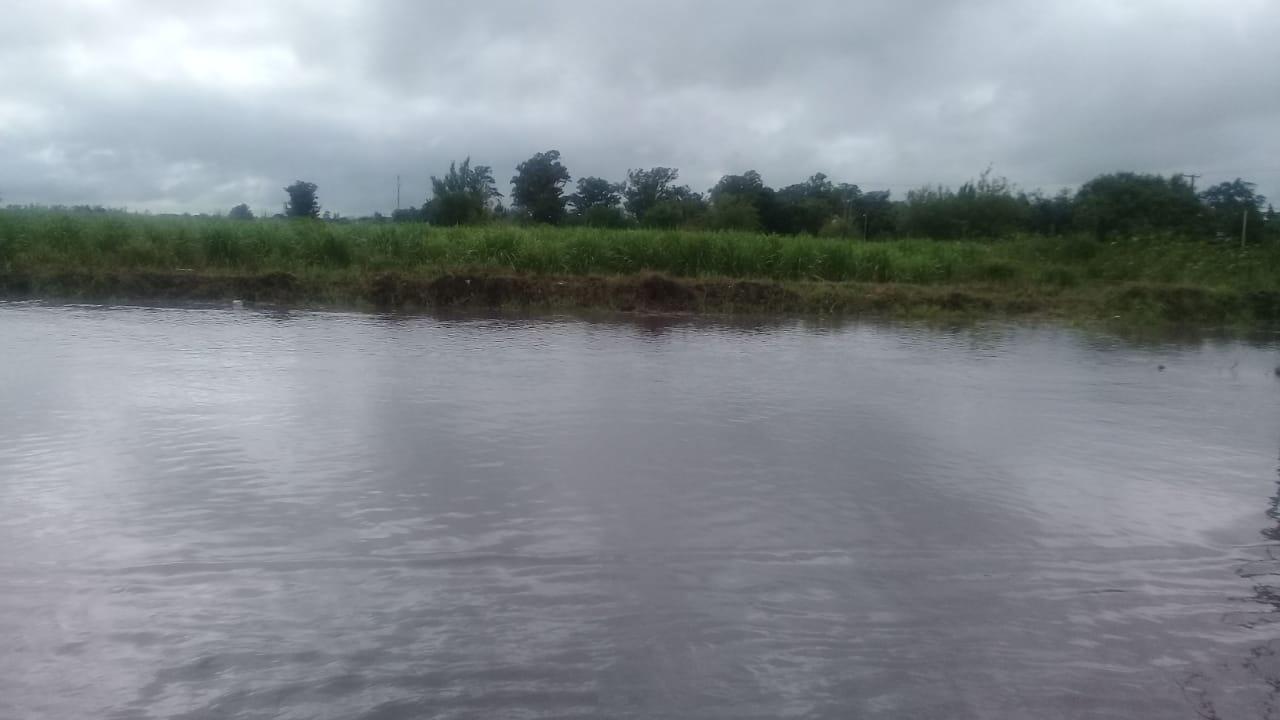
{"points": [[43, 241]]}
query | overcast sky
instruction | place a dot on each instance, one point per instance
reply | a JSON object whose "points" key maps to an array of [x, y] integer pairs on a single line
{"points": [[161, 105]]}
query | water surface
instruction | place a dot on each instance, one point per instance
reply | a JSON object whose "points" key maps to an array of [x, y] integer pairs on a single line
{"points": [[212, 513]]}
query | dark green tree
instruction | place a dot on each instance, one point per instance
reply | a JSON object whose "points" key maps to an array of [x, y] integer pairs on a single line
{"points": [[462, 196], [986, 208], [1230, 203], [1048, 215], [813, 204], [664, 214], [538, 188], [990, 207], [747, 185], [407, 215], [740, 202], [930, 211], [646, 188], [240, 212], [604, 216], [873, 214], [690, 204], [733, 212], [681, 207], [303, 202], [595, 192], [596, 203], [807, 207], [1129, 204], [775, 213]]}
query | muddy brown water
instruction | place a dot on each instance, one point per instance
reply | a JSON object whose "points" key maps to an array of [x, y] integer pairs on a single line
{"points": [[221, 513]]}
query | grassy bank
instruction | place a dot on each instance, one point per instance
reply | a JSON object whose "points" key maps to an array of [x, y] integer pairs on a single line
{"points": [[386, 265]]}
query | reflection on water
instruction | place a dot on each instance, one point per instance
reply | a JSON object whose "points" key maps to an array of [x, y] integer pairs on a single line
{"points": [[217, 514]]}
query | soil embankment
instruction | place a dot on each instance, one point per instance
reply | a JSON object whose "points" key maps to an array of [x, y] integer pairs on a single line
{"points": [[391, 291]]}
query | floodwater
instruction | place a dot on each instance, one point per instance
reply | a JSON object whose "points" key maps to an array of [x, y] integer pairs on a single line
{"points": [[221, 513]]}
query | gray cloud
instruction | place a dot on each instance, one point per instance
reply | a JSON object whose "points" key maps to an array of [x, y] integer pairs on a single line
{"points": [[158, 105]]}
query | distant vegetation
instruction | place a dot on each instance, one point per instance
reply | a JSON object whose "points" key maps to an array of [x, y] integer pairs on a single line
{"points": [[1117, 232], [1117, 205], [61, 254], [1111, 206], [48, 240]]}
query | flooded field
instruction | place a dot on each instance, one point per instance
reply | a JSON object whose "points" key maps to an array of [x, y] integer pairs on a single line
{"points": [[214, 513]]}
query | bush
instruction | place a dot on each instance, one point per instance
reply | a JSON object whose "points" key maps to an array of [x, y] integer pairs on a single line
{"points": [[1000, 271], [601, 216]]}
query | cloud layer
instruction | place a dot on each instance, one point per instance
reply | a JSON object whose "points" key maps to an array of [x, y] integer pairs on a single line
{"points": [[158, 105]]}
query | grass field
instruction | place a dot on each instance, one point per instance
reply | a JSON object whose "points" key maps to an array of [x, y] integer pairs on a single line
{"points": [[39, 247]]}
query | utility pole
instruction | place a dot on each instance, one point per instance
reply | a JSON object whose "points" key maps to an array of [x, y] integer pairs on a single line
{"points": [[1193, 180], [397, 192], [1244, 228]]}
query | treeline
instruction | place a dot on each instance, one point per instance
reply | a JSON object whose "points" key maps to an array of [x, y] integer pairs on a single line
{"points": [[1112, 205], [1122, 204]]}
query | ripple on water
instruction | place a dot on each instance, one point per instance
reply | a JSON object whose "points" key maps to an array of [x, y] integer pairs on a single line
{"points": [[301, 515]]}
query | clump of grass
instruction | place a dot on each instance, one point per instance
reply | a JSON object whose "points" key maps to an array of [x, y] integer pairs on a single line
{"points": [[997, 271], [1058, 277]]}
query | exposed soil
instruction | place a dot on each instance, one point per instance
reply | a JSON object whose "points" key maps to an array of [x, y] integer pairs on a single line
{"points": [[648, 293]]}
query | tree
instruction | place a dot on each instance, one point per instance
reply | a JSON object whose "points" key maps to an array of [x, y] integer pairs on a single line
{"points": [[986, 207], [812, 205], [747, 185], [240, 212], [604, 216], [990, 208], [303, 202], [929, 211], [462, 196], [1229, 203], [678, 206], [741, 202], [807, 207], [596, 203], [1128, 204], [646, 188], [875, 210], [595, 192], [733, 212], [1049, 215], [538, 187], [412, 214]]}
